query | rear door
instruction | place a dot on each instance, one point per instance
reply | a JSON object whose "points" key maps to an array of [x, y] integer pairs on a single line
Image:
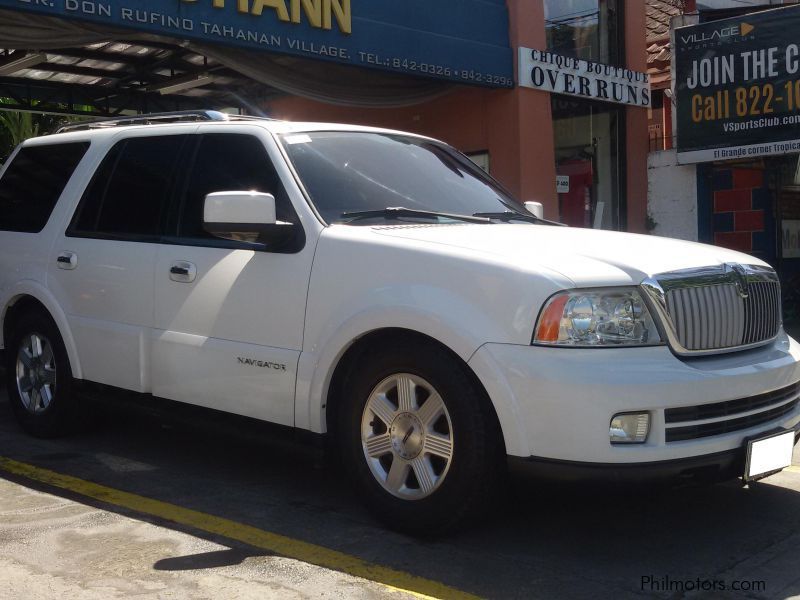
{"points": [[31, 185], [102, 268], [229, 315]]}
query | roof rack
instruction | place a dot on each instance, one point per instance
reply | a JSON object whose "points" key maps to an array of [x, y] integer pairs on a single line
{"points": [[159, 118]]}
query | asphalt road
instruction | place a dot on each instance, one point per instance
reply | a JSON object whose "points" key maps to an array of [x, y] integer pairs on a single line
{"points": [[241, 497]]}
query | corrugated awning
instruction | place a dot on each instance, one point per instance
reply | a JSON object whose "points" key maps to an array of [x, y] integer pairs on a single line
{"points": [[55, 65]]}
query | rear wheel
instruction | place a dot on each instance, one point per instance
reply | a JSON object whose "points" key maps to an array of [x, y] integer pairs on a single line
{"points": [[39, 378], [418, 439]]}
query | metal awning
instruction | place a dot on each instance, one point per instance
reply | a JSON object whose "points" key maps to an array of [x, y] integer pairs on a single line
{"points": [[123, 55], [109, 78]]}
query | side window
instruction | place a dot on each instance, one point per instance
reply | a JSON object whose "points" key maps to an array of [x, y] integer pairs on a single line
{"points": [[33, 183], [229, 163], [131, 189]]}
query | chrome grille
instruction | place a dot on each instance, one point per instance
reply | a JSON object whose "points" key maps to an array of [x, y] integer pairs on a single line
{"points": [[717, 309], [762, 312], [707, 317]]}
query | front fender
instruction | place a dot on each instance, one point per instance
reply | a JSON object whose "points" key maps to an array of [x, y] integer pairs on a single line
{"points": [[322, 354]]}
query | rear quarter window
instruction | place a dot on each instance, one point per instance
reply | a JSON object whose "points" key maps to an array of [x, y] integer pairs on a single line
{"points": [[33, 183]]}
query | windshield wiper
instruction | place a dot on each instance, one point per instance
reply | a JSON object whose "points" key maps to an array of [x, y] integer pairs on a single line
{"points": [[511, 215], [394, 212]]}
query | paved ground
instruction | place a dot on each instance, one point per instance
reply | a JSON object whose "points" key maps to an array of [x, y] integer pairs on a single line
{"points": [[159, 512]]}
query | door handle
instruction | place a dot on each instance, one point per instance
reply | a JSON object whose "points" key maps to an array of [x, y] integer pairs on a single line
{"points": [[67, 261], [182, 271]]}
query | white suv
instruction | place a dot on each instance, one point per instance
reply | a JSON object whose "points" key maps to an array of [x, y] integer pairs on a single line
{"points": [[378, 287]]}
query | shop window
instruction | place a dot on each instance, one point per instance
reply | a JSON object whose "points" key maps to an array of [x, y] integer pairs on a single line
{"points": [[587, 29], [588, 163]]}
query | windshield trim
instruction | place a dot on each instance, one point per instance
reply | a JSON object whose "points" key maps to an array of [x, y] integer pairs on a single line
{"points": [[509, 201]]}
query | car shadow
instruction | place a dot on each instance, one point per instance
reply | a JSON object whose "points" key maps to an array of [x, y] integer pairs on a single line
{"points": [[542, 540], [206, 560]]}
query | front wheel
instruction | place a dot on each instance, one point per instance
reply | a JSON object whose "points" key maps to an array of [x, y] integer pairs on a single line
{"points": [[419, 440]]}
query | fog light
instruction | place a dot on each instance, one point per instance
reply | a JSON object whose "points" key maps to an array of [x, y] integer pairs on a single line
{"points": [[630, 428]]}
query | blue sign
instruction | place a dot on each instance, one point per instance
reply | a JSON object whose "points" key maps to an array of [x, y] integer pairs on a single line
{"points": [[458, 40]]}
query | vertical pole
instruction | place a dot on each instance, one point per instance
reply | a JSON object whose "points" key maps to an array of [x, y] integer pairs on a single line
{"points": [[637, 141], [520, 120]]}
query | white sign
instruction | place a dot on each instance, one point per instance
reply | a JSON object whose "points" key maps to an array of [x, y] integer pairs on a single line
{"points": [[791, 239], [562, 184], [574, 77], [738, 152]]}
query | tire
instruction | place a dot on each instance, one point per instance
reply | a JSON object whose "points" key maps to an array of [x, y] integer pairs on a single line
{"points": [[39, 377], [387, 420]]}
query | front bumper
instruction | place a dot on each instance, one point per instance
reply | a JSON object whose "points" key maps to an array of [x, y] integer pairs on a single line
{"points": [[556, 404], [720, 466]]}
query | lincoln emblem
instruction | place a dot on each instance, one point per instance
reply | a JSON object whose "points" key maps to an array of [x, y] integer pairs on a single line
{"points": [[740, 278]]}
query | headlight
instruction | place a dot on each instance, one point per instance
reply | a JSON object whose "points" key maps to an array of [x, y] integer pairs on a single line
{"points": [[600, 317]]}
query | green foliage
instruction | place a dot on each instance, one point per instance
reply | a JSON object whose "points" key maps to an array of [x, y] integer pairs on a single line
{"points": [[17, 126]]}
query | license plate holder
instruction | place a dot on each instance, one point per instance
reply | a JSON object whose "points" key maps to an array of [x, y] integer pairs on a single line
{"points": [[769, 454]]}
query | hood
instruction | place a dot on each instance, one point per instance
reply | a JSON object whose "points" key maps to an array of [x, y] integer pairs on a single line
{"points": [[587, 257]]}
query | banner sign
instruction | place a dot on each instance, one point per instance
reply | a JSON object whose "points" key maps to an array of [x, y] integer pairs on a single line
{"points": [[466, 41], [574, 77], [737, 84]]}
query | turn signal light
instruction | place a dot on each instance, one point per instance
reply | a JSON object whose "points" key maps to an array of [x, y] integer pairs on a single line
{"points": [[550, 320]]}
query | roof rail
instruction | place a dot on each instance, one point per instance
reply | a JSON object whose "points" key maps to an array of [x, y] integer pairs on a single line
{"points": [[156, 118]]}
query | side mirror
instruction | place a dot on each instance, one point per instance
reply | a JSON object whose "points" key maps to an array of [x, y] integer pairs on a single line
{"points": [[239, 216], [536, 209]]}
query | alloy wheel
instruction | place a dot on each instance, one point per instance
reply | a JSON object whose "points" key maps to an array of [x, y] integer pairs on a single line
{"points": [[407, 436], [36, 373]]}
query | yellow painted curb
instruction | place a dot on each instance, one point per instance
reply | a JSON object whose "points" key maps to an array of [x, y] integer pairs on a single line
{"points": [[397, 581], [793, 469]]}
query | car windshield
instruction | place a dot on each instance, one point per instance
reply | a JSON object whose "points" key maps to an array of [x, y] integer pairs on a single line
{"points": [[347, 172]]}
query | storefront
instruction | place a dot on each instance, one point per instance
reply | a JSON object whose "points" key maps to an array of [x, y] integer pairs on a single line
{"points": [[589, 152], [583, 157], [737, 83], [449, 69]]}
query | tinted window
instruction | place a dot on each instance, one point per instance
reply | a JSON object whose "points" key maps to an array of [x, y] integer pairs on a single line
{"points": [[355, 171], [33, 183], [229, 163], [131, 189]]}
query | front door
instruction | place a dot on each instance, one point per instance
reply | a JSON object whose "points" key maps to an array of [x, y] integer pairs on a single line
{"points": [[229, 315]]}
